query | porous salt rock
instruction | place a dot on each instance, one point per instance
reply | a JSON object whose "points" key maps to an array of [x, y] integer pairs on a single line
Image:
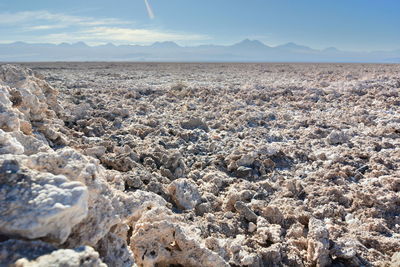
{"points": [[337, 137], [194, 123], [9, 116], [273, 254], [296, 231], [245, 211], [240, 253], [243, 172], [161, 239], [13, 74], [82, 256], [184, 193], [28, 103], [9, 145], [246, 160], [268, 232], [32, 144], [108, 208], [39, 204], [318, 243], [11, 250], [119, 162], [37, 96], [113, 247], [252, 227]]}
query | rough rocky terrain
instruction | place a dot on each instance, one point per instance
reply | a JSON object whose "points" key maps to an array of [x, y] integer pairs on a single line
{"points": [[199, 164]]}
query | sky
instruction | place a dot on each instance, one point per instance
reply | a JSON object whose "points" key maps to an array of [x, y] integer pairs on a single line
{"points": [[356, 25]]}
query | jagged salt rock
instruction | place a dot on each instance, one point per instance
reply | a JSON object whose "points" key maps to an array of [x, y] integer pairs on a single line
{"points": [[9, 145], [161, 239], [185, 193], [318, 243], [36, 205], [82, 256], [337, 137]]}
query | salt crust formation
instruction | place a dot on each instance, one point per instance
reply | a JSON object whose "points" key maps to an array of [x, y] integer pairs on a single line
{"points": [[54, 193], [199, 165]]}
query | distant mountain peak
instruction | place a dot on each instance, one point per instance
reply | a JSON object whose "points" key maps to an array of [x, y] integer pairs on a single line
{"points": [[331, 49], [247, 43], [19, 43], [80, 44], [166, 44], [109, 45], [64, 44], [293, 46]]}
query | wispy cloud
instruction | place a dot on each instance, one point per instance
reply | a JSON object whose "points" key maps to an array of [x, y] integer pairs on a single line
{"points": [[144, 35], [45, 26], [25, 17], [99, 35]]}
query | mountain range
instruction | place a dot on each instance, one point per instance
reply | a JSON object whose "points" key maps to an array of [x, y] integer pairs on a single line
{"points": [[244, 51]]}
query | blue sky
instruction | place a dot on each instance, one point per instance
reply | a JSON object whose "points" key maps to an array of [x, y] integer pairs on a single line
{"points": [[359, 25]]}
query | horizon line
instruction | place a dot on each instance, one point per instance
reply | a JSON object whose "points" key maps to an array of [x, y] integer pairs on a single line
{"points": [[195, 46]]}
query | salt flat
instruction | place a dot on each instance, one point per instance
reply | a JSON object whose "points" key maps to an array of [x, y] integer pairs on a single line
{"points": [[203, 164]]}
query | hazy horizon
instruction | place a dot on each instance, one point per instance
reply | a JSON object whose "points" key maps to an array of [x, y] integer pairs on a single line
{"points": [[356, 31], [186, 46], [244, 51]]}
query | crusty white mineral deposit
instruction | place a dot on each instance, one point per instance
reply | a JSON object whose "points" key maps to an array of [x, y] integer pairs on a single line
{"points": [[122, 164]]}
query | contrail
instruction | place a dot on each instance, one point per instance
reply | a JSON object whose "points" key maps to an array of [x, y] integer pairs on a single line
{"points": [[149, 9]]}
